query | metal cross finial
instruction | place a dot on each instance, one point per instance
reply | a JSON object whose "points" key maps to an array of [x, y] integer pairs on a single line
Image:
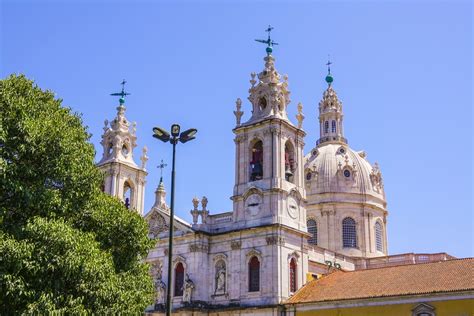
{"points": [[162, 165], [122, 93], [268, 41], [329, 63], [268, 30]]}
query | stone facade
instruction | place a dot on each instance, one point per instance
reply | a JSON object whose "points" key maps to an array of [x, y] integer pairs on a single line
{"points": [[293, 214]]}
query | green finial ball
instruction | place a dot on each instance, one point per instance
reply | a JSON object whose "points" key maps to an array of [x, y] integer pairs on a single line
{"points": [[269, 50], [122, 100], [329, 79]]}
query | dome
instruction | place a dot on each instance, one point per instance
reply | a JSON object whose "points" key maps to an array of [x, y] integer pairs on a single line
{"points": [[336, 173]]}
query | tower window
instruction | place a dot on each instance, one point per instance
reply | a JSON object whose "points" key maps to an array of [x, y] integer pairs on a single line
{"points": [[349, 235], [110, 148], [313, 230], [256, 161], [289, 161], [293, 284], [378, 236], [262, 103], [333, 126], [178, 279], [326, 127], [127, 194], [254, 275]]}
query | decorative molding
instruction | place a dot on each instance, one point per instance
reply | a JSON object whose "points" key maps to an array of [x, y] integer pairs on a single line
{"points": [[294, 254], [220, 256], [179, 258], [253, 252]]}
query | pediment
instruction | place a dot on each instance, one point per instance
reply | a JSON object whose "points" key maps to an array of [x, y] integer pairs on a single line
{"points": [[158, 224]]}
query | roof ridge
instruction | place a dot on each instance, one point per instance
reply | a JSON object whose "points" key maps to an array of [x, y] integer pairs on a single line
{"points": [[412, 264]]}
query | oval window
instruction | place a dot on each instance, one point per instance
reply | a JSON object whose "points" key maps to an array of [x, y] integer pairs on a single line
{"points": [[308, 176], [347, 173]]}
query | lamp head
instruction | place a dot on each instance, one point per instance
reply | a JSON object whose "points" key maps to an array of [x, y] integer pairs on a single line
{"points": [[175, 129], [188, 135], [161, 134]]}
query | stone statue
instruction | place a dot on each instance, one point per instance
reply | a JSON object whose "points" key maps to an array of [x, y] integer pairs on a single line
{"points": [[188, 288], [160, 289], [220, 278]]}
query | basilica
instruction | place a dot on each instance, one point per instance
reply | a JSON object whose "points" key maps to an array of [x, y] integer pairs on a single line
{"points": [[299, 213]]}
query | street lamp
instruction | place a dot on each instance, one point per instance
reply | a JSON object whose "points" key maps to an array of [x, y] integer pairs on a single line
{"points": [[165, 137]]}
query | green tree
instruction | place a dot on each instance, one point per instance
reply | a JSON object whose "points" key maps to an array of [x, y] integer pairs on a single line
{"points": [[65, 246]]}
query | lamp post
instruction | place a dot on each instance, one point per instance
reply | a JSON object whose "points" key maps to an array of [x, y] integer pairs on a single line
{"points": [[165, 137]]}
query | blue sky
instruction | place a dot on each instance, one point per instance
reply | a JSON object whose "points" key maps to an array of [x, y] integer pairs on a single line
{"points": [[402, 69]]}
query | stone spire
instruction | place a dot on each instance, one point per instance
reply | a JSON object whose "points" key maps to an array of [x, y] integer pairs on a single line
{"points": [[270, 96], [118, 139], [160, 196], [123, 178], [330, 115]]}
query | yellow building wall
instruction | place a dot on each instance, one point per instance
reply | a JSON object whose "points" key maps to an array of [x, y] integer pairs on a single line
{"points": [[443, 308]]}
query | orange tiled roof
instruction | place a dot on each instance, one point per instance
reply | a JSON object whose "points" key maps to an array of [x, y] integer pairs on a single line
{"points": [[435, 277]]}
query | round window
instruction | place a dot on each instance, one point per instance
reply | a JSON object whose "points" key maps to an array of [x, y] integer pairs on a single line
{"points": [[347, 173], [342, 151]]}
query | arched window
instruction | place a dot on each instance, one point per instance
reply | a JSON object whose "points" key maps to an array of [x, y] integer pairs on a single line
{"points": [[254, 274], [378, 236], [256, 161], [127, 194], [262, 103], [349, 235], [289, 161], [333, 126], [293, 285], [326, 127], [313, 230], [178, 279]]}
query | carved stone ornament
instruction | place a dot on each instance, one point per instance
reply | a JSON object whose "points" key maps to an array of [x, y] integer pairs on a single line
{"points": [[300, 115], [235, 244], [238, 113], [156, 225], [197, 247], [275, 240]]}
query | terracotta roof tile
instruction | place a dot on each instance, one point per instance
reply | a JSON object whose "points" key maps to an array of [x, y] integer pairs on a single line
{"points": [[435, 277]]}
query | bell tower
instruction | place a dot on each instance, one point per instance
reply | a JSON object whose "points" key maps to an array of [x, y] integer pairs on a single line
{"points": [[269, 184], [330, 115], [123, 179]]}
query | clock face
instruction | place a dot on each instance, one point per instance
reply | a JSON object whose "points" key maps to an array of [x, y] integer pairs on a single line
{"points": [[253, 204], [293, 207]]}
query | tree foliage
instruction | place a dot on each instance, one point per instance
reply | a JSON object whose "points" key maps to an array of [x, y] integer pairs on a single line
{"points": [[65, 246]]}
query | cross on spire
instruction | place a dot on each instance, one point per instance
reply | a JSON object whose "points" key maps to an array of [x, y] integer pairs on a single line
{"points": [[329, 78], [161, 166], [329, 63], [268, 41], [122, 93]]}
